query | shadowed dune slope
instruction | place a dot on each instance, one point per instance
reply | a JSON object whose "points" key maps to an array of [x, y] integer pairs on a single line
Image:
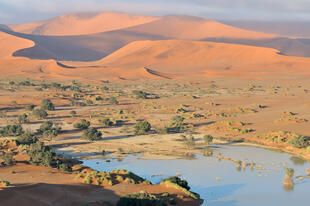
{"points": [[92, 47], [82, 23]]}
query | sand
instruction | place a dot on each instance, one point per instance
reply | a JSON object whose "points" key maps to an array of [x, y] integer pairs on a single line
{"points": [[83, 23]]}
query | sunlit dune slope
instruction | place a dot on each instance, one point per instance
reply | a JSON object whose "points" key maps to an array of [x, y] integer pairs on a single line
{"points": [[194, 28], [195, 58], [10, 44], [83, 23]]}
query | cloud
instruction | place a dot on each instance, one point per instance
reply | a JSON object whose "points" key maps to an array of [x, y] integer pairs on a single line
{"points": [[30, 10]]}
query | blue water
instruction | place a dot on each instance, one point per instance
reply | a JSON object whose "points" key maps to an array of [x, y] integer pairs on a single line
{"points": [[235, 188]]}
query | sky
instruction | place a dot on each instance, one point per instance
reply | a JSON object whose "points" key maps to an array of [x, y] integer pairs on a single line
{"points": [[22, 11]]}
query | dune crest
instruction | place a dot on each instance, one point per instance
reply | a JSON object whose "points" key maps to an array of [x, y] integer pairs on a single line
{"points": [[83, 23], [195, 28], [194, 58], [9, 44]]}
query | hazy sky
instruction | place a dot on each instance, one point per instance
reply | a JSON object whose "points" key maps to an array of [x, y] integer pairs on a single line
{"points": [[20, 11]]}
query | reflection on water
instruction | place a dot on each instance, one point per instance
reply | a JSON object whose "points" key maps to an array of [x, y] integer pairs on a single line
{"points": [[298, 160], [254, 180]]}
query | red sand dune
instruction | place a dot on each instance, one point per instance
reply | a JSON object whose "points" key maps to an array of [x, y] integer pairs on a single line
{"points": [[194, 28], [195, 58], [164, 59], [10, 44], [83, 23]]}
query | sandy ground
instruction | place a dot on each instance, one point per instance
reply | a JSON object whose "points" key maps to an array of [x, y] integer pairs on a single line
{"points": [[36, 185]]}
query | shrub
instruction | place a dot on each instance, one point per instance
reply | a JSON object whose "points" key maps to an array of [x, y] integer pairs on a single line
{"points": [[30, 107], [208, 139], [48, 130], [140, 199], [178, 123], [63, 166], [113, 100], [4, 183], [92, 134], [172, 201], [178, 181], [47, 104], [299, 141], [73, 113], [84, 124], [7, 159], [11, 130], [40, 113], [27, 138], [142, 127], [106, 122], [23, 118], [140, 94]]}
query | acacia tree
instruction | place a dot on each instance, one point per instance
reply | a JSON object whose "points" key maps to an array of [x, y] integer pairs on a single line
{"points": [[47, 104]]}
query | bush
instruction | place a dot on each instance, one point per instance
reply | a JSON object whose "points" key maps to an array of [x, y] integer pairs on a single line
{"points": [[107, 122], [23, 118], [47, 104], [178, 123], [208, 139], [73, 113], [84, 124], [40, 113], [91, 134], [113, 100], [7, 159], [140, 199], [48, 130], [178, 181], [11, 130], [30, 107], [27, 138], [140, 94], [63, 166], [299, 141], [142, 127]]}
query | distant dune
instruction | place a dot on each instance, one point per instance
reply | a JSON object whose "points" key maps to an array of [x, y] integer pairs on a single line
{"points": [[142, 47], [82, 23], [194, 28], [297, 29]]}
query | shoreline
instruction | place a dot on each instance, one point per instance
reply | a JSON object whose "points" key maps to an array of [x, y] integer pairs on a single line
{"points": [[148, 155]]}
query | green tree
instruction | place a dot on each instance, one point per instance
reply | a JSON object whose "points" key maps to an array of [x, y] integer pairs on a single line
{"points": [[40, 113], [142, 127], [11, 130], [7, 159], [91, 134], [48, 130], [27, 138], [47, 104], [23, 118], [84, 124], [299, 141]]}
